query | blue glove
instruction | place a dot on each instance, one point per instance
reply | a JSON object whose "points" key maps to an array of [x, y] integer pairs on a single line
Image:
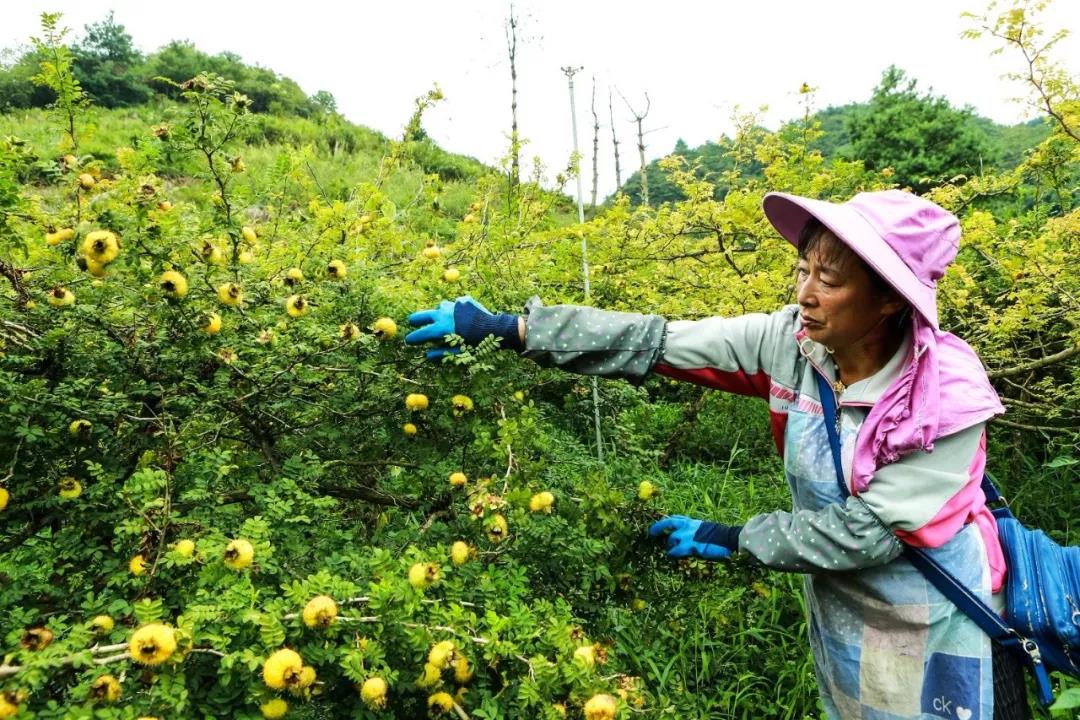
{"points": [[697, 538], [464, 317]]}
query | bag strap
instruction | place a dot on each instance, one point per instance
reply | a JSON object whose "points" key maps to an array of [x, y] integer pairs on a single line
{"points": [[958, 593]]}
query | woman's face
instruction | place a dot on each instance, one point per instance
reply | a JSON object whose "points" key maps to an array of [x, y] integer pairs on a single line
{"points": [[838, 303]]}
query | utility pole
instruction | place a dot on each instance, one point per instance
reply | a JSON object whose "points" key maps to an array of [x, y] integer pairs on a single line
{"points": [[569, 72]]}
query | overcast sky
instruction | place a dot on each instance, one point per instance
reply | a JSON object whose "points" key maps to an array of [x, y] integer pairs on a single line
{"points": [[697, 60]]}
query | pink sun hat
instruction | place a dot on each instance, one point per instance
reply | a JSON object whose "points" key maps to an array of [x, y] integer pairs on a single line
{"points": [[907, 240]]}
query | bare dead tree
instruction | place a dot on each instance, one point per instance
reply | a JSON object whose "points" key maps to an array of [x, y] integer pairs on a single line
{"points": [[515, 146], [615, 143], [639, 117], [595, 148]]}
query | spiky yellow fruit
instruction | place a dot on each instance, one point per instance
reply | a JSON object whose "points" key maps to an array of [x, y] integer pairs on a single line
{"points": [[646, 490], [211, 253], [9, 705], [87, 181], [461, 404], [497, 528], [336, 270], [137, 565], [211, 323], [37, 638], [60, 297], [152, 644], [458, 479], [384, 328], [293, 276], [105, 688], [470, 218], [349, 332], [541, 502], [432, 252], [440, 703], [185, 548], [423, 575], [451, 274], [246, 257], [80, 427], [96, 269], [304, 680], [174, 284], [249, 234], [297, 306], [5, 498], [373, 693], [230, 294], [70, 488], [442, 654], [416, 401], [462, 672], [409, 429], [320, 612], [164, 206], [273, 709], [601, 707], [101, 246], [519, 396], [282, 669], [102, 624], [430, 677], [238, 554], [460, 552], [59, 236], [585, 655]]}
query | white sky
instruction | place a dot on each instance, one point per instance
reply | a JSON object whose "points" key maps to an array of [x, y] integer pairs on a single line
{"points": [[697, 60]]}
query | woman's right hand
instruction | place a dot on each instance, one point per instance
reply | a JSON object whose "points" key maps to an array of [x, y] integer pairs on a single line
{"points": [[466, 318]]}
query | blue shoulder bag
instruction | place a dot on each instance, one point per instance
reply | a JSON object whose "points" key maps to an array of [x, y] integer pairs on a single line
{"points": [[1042, 584]]}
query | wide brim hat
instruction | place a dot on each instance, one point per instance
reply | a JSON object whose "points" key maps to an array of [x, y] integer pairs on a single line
{"points": [[907, 240]]}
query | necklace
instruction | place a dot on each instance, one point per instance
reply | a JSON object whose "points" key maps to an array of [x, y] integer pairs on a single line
{"points": [[838, 385]]}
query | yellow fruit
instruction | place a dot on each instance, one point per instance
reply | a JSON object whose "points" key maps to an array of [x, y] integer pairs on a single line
{"points": [[102, 624], [320, 612], [384, 328], [9, 705], [245, 257], [164, 206], [282, 669], [5, 497], [431, 676], [105, 688], [95, 268], [431, 253], [373, 693], [211, 253], [458, 479], [185, 548], [305, 680], [462, 404], [152, 644], [470, 218], [585, 655], [61, 235], [101, 246], [451, 275], [416, 401], [460, 552], [497, 529], [227, 355], [37, 638], [297, 306], [71, 161], [541, 502], [601, 707], [249, 234], [70, 488], [211, 323], [293, 276], [137, 565], [239, 554], [638, 604], [462, 673], [79, 427], [409, 429], [87, 181], [440, 703], [336, 270], [174, 284], [442, 654], [349, 332], [646, 490], [272, 709], [60, 297], [423, 575], [230, 294], [519, 396]]}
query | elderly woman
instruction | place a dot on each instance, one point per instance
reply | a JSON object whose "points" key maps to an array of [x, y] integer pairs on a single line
{"points": [[911, 402]]}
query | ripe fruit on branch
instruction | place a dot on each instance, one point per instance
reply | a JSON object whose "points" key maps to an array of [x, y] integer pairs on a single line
{"points": [[185, 548], [152, 644], [87, 181], [164, 206], [497, 529], [105, 688], [460, 552], [601, 707], [246, 257], [70, 488], [305, 680], [210, 323], [37, 638], [541, 502], [102, 624], [282, 669], [61, 235], [293, 276], [442, 654], [373, 693], [430, 677], [297, 306], [416, 402], [349, 332], [431, 252], [174, 284], [211, 253], [451, 275], [461, 404], [585, 655], [336, 270], [249, 234], [458, 479], [275, 708], [646, 490], [230, 294], [409, 429], [238, 554], [384, 328], [60, 297], [320, 612], [101, 246], [80, 427], [137, 565], [5, 498], [440, 703], [423, 575], [462, 672]]}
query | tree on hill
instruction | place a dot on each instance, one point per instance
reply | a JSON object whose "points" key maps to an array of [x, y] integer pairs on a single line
{"points": [[107, 65], [920, 136]]}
